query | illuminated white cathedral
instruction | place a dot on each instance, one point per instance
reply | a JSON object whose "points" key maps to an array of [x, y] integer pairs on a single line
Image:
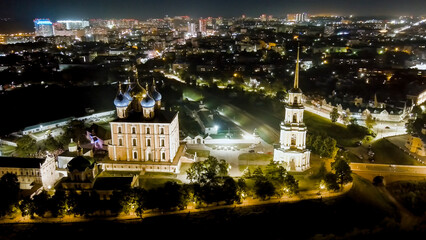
{"points": [[144, 137], [292, 148]]}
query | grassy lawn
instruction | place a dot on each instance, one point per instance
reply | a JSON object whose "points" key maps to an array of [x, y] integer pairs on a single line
{"points": [[6, 150], [411, 194], [192, 94], [387, 153], [363, 191], [255, 156], [200, 153], [341, 133]]}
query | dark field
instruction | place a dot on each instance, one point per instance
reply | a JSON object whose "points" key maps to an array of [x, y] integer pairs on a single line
{"points": [[37, 104]]}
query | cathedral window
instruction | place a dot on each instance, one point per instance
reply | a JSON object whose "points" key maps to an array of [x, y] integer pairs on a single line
{"points": [[135, 155], [163, 156], [134, 141], [162, 142], [120, 142], [295, 99], [161, 130], [133, 130], [148, 131], [148, 142], [119, 129], [295, 118]]}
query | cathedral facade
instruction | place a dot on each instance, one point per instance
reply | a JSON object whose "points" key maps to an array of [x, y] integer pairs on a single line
{"points": [[144, 137], [292, 150]]}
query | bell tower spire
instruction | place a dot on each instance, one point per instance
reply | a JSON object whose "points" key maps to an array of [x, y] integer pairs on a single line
{"points": [[296, 72]]}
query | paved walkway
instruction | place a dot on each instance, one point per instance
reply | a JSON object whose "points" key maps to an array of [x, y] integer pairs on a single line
{"points": [[305, 195]]}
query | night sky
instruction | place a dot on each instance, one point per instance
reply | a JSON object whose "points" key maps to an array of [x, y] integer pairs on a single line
{"points": [[57, 9]]}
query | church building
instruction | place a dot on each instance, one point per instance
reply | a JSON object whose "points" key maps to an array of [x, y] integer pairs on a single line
{"points": [[292, 148], [144, 137]]}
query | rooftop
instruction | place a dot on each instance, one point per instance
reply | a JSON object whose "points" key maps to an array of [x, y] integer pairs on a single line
{"points": [[49, 123], [161, 116], [13, 162]]}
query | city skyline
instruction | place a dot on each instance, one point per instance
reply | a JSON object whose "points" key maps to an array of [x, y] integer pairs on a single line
{"points": [[158, 9]]}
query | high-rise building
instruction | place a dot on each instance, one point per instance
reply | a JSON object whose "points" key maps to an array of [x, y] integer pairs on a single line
{"points": [[74, 24], [43, 27], [202, 26], [292, 150], [297, 17], [192, 29]]}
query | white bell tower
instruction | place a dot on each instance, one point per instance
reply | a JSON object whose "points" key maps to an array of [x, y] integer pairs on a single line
{"points": [[292, 148]]}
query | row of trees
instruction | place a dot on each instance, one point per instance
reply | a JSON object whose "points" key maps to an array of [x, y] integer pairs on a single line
{"points": [[169, 197]]}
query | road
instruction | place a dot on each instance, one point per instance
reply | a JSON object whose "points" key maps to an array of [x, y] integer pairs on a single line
{"points": [[391, 173]]}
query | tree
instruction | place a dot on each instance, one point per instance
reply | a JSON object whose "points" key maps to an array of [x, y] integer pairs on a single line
{"points": [[334, 115], [166, 198], [370, 122], [27, 207], [264, 188], [343, 171], [41, 203], [209, 171], [328, 148], [58, 204], [275, 172], [291, 185], [26, 146], [129, 200], [330, 180], [242, 189], [346, 117], [50, 144], [230, 191], [321, 172], [75, 130], [9, 188]]}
